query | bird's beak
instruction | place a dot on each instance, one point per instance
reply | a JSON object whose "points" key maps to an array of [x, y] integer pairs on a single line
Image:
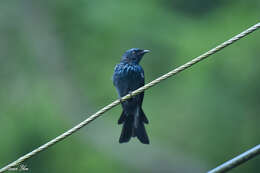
{"points": [[145, 51]]}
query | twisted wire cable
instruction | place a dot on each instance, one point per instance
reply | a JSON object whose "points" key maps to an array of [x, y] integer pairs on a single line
{"points": [[136, 92], [242, 158]]}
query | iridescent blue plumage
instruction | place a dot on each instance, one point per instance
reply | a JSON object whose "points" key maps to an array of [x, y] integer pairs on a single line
{"points": [[129, 76]]}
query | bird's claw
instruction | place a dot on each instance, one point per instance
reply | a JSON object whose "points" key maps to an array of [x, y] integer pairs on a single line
{"points": [[131, 94], [120, 100]]}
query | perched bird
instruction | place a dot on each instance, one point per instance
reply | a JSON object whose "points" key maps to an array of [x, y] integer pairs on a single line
{"points": [[129, 76]]}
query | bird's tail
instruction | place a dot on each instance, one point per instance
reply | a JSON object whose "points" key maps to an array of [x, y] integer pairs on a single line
{"points": [[133, 126]]}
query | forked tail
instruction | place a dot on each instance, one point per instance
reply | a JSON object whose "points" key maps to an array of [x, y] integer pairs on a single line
{"points": [[133, 126]]}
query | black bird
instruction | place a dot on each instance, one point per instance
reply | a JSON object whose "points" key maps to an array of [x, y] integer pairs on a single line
{"points": [[129, 76]]}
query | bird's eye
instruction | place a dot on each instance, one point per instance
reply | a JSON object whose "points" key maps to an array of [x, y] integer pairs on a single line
{"points": [[133, 52]]}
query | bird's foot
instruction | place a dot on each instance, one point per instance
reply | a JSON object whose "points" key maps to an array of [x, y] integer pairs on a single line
{"points": [[120, 100], [131, 94]]}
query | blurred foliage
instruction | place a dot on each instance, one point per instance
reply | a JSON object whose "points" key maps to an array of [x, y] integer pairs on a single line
{"points": [[57, 59]]}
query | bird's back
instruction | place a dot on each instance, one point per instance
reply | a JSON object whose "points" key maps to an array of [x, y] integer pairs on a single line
{"points": [[127, 78]]}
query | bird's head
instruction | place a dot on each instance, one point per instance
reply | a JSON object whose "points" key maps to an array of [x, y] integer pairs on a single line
{"points": [[134, 55]]}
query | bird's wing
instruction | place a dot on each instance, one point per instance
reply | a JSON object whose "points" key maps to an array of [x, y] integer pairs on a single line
{"points": [[139, 83], [128, 78]]}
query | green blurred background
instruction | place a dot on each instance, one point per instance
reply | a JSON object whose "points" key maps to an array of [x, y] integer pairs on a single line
{"points": [[57, 59]]}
